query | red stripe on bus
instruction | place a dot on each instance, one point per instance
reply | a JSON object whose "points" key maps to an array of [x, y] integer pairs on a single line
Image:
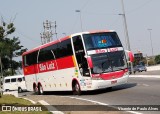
{"points": [[112, 75], [66, 62], [62, 63], [29, 70]]}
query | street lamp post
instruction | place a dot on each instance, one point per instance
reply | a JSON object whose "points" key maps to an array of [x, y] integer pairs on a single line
{"points": [[151, 41], [79, 11], [125, 25], [126, 32]]}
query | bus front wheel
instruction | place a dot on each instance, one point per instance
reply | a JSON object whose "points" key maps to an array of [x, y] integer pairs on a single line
{"points": [[76, 89]]}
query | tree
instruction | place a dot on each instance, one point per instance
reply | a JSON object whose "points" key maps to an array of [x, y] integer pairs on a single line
{"points": [[157, 59], [14, 50], [9, 48], [6, 29]]}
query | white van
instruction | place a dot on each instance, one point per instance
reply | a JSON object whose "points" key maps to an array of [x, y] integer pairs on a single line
{"points": [[14, 83]]}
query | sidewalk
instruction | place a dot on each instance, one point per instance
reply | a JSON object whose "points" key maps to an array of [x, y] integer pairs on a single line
{"points": [[153, 68]]}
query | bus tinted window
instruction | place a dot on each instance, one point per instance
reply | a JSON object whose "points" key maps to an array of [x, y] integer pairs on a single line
{"points": [[30, 59], [78, 45], [64, 49], [59, 50], [101, 40], [45, 55]]}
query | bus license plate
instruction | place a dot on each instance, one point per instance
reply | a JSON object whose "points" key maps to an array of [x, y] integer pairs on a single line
{"points": [[114, 82]]}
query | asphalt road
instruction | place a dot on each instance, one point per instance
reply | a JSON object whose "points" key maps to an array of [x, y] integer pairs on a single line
{"points": [[138, 91]]}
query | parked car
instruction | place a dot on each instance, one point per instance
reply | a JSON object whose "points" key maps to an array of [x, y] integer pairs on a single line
{"points": [[14, 83], [140, 68]]}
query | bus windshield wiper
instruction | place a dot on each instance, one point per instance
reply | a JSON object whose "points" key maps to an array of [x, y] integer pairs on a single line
{"points": [[108, 69]]}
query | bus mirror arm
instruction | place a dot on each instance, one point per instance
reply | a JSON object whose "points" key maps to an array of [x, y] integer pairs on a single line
{"points": [[130, 56]]}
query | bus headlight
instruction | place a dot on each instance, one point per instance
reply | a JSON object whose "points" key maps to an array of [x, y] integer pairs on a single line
{"points": [[126, 73]]}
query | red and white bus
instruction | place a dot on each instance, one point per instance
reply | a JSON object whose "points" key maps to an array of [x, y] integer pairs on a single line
{"points": [[79, 62]]}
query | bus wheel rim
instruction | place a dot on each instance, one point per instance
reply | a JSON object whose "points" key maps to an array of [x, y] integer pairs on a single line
{"points": [[41, 90]]}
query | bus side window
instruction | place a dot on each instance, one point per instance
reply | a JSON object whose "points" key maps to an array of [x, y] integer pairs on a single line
{"points": [[30, 59], [45, 54]]}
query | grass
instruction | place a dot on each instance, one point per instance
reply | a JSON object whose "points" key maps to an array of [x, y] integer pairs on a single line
{"points": [[11, 100]]}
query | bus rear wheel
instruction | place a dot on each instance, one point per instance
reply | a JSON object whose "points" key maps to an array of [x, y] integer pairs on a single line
{"points": [[40, 90], [76, 89], [35, 89]]}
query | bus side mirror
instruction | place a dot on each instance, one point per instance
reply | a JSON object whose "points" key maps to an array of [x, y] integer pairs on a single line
{"points": [[130, 56], [89, 60]]}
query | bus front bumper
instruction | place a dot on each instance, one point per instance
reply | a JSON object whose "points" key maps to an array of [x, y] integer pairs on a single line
{"points": [[101, 84]]}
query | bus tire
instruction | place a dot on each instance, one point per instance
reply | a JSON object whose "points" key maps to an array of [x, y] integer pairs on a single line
{"points": [[40, 90], [76, 88], [35, 89], [109, 89], [20, 90]]}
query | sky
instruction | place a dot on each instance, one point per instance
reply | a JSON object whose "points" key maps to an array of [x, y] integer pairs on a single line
{"points": [[141, 15]]}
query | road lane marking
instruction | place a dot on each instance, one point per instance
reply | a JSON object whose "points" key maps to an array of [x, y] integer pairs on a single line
{"points": [[100, 103], [50, 107], [145, 85]]}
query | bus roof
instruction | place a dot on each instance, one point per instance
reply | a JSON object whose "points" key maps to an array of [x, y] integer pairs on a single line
{"points": [[45, 45], [64, 38]]}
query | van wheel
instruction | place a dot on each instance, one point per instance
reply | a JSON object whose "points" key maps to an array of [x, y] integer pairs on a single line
{"points": [[19, 90], [76, 89], [40, 90]]}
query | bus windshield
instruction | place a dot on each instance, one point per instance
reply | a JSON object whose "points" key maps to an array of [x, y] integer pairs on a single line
{"points": [[108, 62], [101, 40]]}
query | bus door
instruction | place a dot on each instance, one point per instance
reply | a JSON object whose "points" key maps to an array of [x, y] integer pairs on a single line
{"points": [[80, 55]]}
